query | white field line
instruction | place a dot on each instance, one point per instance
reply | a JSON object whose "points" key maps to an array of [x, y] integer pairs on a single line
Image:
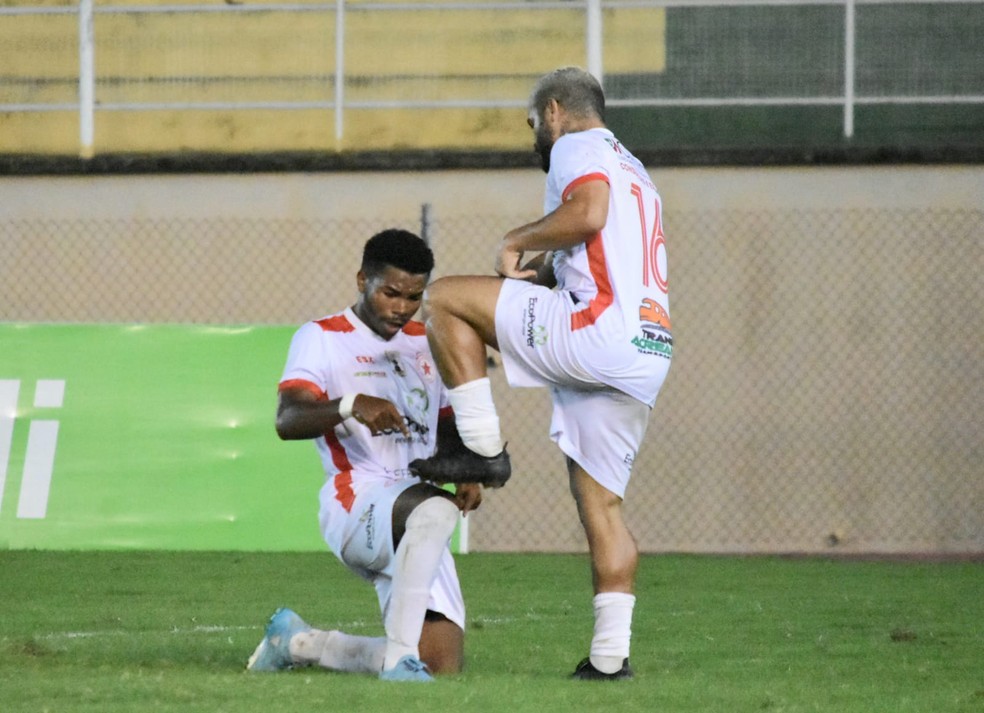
{"points": [[174, 631], [218, 629]]}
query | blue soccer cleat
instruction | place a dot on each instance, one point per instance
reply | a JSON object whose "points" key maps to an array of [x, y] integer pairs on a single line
{"points": [[273, 653], [408, 668]]}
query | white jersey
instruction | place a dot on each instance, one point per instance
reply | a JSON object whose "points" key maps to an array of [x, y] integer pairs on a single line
{"points": [[340, 355], [618, 278], [366, 474]]}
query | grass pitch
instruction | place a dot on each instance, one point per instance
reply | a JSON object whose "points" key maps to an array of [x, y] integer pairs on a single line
{"points": [[143, 631]]}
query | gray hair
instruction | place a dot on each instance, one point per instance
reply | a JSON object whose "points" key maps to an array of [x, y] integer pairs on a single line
{"points": [[574, 89]]}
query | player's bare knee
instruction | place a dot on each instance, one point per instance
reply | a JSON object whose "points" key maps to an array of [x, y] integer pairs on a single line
{"points": [[439, 295], [435, 516]]}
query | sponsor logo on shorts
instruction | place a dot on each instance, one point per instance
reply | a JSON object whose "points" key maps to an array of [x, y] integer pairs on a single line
{"points": [[369, 520], [536, 335]]}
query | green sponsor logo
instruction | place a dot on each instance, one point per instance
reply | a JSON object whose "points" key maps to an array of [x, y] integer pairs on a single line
{"points": [[653, 346]]}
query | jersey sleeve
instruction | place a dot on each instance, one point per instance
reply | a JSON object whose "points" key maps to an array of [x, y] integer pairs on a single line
{"points": [[575, 158], [306, 358]]}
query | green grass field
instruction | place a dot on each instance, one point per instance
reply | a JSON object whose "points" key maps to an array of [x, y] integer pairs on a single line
{"points": [[147, 631]]}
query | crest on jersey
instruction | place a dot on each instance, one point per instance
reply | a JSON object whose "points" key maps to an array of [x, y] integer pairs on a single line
{"points": [[616, 146], [394, 359], [428, 372]]}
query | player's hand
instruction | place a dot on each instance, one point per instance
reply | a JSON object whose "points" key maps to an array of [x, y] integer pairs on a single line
{"points": [[378, 415], [468, 496], [509, 259]]}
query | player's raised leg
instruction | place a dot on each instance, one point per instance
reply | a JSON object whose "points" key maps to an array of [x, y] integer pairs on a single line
{"points": [[460, 323]]}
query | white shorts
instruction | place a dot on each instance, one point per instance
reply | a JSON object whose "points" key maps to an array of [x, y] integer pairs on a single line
{"points": [[366, 548], [596, 425], [601, 431], [532, 326]]}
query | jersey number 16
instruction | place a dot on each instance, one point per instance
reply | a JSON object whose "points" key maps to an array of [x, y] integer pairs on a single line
{"points": [[653, 243]]}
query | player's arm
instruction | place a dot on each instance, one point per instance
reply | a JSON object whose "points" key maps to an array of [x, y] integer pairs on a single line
{"points": [[302, 414], [579, 218], [543, 264]]}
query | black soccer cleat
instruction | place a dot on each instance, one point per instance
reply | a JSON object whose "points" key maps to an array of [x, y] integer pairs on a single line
{"points": [[585, 671], [462, 465]]}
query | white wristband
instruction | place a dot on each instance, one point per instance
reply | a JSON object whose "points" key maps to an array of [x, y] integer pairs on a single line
{"points": [[345, 406]]}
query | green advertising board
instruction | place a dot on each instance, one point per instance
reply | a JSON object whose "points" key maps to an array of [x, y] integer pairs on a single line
{"points": [[157, 437]]}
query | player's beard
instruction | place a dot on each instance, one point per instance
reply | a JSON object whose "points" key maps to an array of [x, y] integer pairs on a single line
{"points": [[543, 144]]}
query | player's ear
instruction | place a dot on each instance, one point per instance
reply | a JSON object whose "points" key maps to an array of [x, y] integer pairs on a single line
{"points": [[551, 110], [360, 280]]}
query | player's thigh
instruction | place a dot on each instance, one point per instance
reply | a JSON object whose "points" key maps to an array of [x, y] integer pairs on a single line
{"points": [[471, 298], [367, 541], [532, 324]]}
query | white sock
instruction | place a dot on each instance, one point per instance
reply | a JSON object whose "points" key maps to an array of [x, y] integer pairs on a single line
{"points": [[612, 630], [429, 528], [338, 651], [476, 418]]}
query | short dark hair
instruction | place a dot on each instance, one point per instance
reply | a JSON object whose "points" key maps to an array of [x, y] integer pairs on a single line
{"points": [[397, 248], [574, 89]]}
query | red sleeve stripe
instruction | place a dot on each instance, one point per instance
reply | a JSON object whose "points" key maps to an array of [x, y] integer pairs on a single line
{"points": [[301, 384], [596, 176]]}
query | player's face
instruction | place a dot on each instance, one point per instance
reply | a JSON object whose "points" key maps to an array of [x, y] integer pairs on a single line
{"points": [[543, 139], [388, 300]]}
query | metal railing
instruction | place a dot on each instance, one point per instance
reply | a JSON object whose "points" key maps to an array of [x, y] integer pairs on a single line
{"points": [[837, 60]]}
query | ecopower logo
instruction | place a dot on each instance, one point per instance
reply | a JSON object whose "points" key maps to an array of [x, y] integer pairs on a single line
{"points": [[42, 439]]}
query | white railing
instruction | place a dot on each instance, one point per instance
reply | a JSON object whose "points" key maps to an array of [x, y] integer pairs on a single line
{"points": [[847, 96]]}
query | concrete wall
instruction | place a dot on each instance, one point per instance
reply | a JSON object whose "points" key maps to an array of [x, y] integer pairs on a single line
{"points": [[826, 388]]}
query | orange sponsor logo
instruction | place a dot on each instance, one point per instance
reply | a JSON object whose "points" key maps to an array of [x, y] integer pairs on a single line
{"points": [[652, 312]]}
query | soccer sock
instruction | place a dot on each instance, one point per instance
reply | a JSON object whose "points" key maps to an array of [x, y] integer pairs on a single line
{"points": [[612, 630], [338, 651], [428, 530], [476, 418]]}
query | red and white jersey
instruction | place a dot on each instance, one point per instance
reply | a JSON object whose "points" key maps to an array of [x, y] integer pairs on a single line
{"points": [[340, 355], [618, 278]]}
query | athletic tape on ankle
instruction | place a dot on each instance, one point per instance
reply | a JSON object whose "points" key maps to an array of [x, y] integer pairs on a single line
{"points": [[345, 406]]}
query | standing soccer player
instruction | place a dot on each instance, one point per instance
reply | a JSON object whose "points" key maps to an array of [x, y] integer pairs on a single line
{"points": [[600, 342], [363, 385]]}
